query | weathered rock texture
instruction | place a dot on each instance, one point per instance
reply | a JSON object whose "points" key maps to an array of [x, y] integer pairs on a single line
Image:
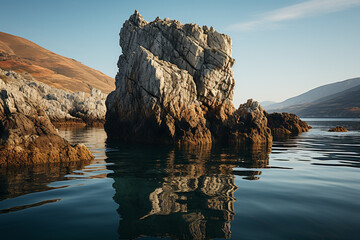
{"points": [[62, 107], [175, 85], [27, 135], [338, 129], [249, 123], [286, 124]]}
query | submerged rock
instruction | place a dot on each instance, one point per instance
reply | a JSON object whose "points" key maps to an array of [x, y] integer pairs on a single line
{"points": [[26, 134], [286, 124], [62, 107], [338, 129], [175, 85]]}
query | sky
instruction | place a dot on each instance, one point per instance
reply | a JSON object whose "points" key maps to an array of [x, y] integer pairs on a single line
{"points": [[282, 48]]}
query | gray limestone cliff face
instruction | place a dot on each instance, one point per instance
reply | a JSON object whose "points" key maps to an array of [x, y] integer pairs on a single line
{"points": [[59, 105], [203, 53], [175, 84]]}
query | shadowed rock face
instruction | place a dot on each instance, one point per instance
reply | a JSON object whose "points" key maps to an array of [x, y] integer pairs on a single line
{"points": [[286, 124], [27, 135], [249, 124], [175, 84]]}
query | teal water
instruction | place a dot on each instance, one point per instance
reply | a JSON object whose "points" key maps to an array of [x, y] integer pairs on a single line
{"points": [[307, 187]]}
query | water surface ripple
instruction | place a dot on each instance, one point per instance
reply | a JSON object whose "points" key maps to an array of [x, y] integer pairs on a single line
{"points": [[307, 187]]}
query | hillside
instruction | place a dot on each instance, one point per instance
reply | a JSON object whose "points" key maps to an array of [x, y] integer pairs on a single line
{"points": [[343, 104], [24, 56], [267, 103], [315, 94]]}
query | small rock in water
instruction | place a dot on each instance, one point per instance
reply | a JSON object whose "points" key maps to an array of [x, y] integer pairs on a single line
{"points": [[338, 129]]}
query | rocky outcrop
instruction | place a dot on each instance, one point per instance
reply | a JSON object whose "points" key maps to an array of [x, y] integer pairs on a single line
{"points": [[175, 85], [338, 129], [62, 107], [249, 124], [286, 124], [27, 135]]}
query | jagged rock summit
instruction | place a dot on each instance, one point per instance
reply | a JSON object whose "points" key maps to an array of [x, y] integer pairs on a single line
{"points": [[175, 85]]}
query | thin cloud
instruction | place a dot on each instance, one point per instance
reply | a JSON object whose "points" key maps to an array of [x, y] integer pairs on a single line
{"points": [[302, 10]]}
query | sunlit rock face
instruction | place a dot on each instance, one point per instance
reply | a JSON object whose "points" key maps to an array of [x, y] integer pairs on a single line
{"points": [[61, 106], [175, 85], [175, 82]]}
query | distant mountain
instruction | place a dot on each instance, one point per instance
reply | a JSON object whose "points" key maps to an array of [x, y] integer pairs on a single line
{"points": [[343, 104], [267, 103], [315, 94], [24, 56]]}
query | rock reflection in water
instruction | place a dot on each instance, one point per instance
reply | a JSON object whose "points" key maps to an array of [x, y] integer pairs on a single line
{"points": [[183, 194], [17, 181]]}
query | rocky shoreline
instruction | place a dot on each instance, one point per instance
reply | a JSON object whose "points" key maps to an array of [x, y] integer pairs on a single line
{"points": [[27, 135], [175, 85], [61, 106]]}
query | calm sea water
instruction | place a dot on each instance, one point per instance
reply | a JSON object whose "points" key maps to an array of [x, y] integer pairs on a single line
{"points": [[308, 187]]}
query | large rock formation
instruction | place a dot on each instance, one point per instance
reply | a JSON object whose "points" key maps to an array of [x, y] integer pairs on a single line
{"points": [[175, 84], [62, 106], [27, 135]]}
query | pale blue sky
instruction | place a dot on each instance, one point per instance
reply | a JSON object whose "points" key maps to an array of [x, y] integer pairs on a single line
{"points": [[282, 47]]}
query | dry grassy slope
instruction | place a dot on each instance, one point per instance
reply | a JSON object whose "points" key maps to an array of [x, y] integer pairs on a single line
{"points": [[24, 56]]}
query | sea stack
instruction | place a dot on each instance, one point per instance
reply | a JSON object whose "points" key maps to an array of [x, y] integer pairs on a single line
{"points": [[175, 85]]}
